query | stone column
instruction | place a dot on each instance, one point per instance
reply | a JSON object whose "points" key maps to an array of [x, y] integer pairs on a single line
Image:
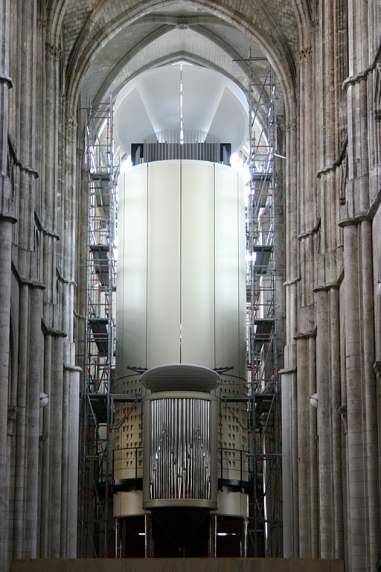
{"points": [[5, 303], [363, 493], [45, 461], [357, 521], [324, 424], [66, 419], [370, 391], [337, 477], [33, 423], [5, 86], [26, 132], [55, 447], [313, 450], [19, 511], [288, 374], [303, 400], [73, 453], [6, 222], [51, 164], [289, 464]]}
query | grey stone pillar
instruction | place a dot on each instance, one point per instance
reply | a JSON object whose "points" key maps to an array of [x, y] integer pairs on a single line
{"points": [[303, 400], [65, 459], [45, 464], [363, 477], [337, 475], [313, 450], [288, 374], [19, 510], [33, 423], [370, 391], [357, 521], [5, 86], [289, 465], [5, 302], [51, 169], [324, 424], [6, 221], [55, 447], [73, 456], [70, 452]]}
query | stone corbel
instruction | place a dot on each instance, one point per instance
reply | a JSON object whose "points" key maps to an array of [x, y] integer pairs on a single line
{"points": [[19, 163], [292, 282], [51, 331], [361, 76], [330, 285], [310, 232], [22, 280], [74, 368], [64, 280], [368, 215], [336, 164], [44, 230], [306, 335], [6, 79], [287, 371]]}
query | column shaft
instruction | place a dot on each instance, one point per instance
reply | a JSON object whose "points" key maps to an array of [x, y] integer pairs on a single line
{"points": [[33, 424], [55, 449], [324, 425], [19, 510]]}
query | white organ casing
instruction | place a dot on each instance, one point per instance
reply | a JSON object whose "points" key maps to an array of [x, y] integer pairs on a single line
{"points": [[181, 266], [181, 292]]}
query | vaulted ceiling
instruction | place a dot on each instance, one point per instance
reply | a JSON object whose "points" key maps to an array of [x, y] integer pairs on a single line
{"points": [[108, 42]]}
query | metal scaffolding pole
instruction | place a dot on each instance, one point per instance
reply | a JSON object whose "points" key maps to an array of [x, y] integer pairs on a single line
{"points": [[264, 527], [96, 524]]}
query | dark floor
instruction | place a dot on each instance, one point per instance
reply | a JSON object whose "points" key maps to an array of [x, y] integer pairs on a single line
{"points": [[178, 565]]}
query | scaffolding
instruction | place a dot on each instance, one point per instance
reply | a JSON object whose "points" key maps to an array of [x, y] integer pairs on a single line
{"points": [[263, 459], [96, 524], [264, 528]]}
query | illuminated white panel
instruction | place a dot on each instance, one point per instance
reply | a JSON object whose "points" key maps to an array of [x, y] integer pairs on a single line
{"points": [[181, 266], [197, 263], [132, 268], [227, 269], [163, 279], [120, 326], [242, 276]]}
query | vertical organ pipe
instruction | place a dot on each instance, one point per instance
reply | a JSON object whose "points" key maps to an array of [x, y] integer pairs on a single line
{"points": [[181, 450]]}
